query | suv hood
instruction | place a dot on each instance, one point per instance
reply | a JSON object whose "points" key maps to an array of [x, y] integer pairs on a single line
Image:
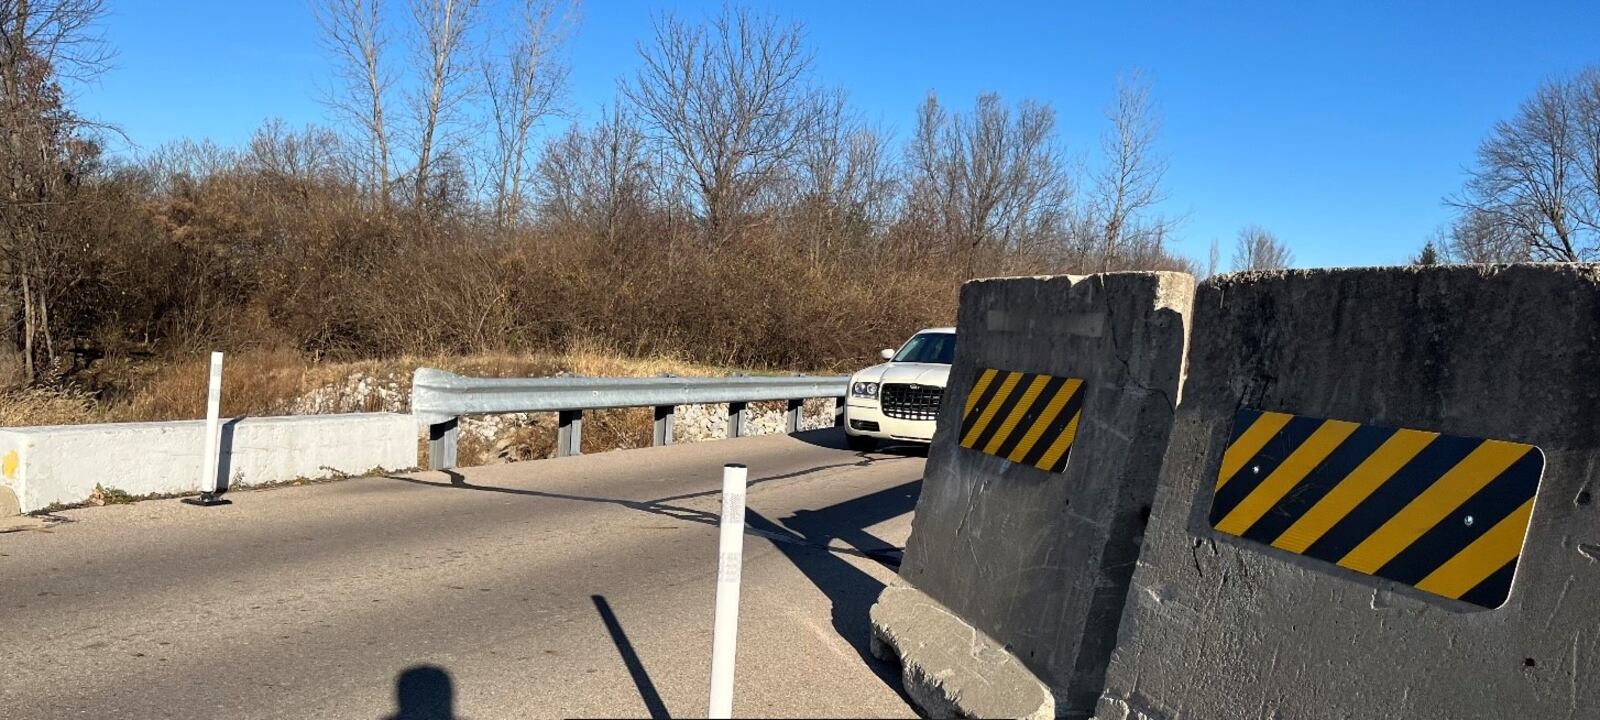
{"points": [[920, 373]]}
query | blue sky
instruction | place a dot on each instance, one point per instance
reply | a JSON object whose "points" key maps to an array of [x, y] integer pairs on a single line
{"points": [[1337, 125]]}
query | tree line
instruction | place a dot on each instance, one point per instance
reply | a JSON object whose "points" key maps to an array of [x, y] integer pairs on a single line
{"points": [[726, 206], [725, 127]]}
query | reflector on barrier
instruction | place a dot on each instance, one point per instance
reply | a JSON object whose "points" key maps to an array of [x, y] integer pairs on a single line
{"points": [[1443, 513], [1026, 418]]}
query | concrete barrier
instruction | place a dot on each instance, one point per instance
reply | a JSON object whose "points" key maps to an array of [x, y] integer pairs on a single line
{"points": [[1359, 567], [1036, 491], [43, 466]]}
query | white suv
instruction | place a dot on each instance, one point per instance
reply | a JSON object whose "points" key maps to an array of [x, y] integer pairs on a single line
{"points": [[899, 399]]}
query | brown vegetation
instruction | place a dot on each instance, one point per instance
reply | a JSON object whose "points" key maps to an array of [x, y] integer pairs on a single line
{"points": [[268, 382], [728, 210]]}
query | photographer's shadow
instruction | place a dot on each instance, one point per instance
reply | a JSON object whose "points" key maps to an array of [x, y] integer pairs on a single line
{"points": [[424, 692]]}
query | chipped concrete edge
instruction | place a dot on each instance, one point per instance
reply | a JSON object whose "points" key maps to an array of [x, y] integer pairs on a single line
{"points": [[9, 504], [1114, 708], [949, 668]]}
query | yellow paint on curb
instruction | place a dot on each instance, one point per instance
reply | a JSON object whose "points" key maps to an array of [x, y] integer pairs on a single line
{"points": [[9, 466]]}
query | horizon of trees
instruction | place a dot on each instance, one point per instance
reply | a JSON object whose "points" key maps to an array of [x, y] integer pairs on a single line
{"points": [[727, 205], [725, 125]]}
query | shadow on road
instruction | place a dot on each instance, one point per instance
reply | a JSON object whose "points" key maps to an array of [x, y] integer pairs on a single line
{"points": [[833, 438], [658, 506], [804, 538], [630, 658], [424, 692]]}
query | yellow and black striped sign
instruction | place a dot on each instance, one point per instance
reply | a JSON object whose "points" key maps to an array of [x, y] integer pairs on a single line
{"points": [[1442, 513], [1026, 418]]}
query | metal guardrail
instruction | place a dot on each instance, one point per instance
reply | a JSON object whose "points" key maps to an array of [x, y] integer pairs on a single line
{"points": [[439, 399]]}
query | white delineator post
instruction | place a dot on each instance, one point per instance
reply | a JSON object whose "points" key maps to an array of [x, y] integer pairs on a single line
{"points": [[730, 561], [208, 450]]}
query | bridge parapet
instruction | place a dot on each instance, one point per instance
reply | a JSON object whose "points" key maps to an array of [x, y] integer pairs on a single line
{"points": [[63, 464]]}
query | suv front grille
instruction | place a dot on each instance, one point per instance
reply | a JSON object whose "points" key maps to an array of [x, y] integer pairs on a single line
{"points": [[911, 402]]}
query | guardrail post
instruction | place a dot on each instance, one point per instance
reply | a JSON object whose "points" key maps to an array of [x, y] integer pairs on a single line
{"points": [[442, 444], [736, 413], [838, 412], [663, 432], [209, 492], [569, 433], [792, 422]]}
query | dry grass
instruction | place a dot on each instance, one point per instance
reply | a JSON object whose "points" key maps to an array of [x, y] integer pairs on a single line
{"points": [[271, 382], [268, 382], [47, 406]]}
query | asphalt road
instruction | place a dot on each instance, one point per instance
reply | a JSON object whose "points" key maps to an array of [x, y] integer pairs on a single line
{"points": [[575, 587]]}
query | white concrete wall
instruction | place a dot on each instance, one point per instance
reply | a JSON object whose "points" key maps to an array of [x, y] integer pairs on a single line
{"points": [[42, 466]]}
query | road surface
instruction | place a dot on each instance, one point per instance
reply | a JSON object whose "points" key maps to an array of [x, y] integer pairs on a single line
{"points": [[570, 587]]}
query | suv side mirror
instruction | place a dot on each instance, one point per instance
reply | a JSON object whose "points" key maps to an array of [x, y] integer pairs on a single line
{"points": [[887, 354]]}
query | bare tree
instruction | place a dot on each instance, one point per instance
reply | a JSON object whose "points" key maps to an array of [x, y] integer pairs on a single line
{"points": [[598, 179], [1258, 249], [185, 162], [43, 152], [443, 33], [57, 38], [843, 183], [1530, 178], [353, 33], [991, 183], [311, 154], [1129, 185], [522, 87], [1480, 237], [931, 217], [1584, 93], [731, 99], [1213, 258]]}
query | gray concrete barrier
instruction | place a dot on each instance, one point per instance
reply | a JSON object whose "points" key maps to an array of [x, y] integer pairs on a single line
{"points": [[1037, 487], [44, 466], [1339, 530]]}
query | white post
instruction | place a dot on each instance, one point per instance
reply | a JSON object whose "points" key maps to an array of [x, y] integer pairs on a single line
{"points": [[730, 560], [208, 451]]}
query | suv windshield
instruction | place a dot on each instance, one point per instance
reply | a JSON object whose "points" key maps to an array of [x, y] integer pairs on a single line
{"points": [[929, 348]]}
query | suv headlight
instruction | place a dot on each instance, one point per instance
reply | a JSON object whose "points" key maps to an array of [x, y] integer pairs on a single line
{"points": [[864, 390]]}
